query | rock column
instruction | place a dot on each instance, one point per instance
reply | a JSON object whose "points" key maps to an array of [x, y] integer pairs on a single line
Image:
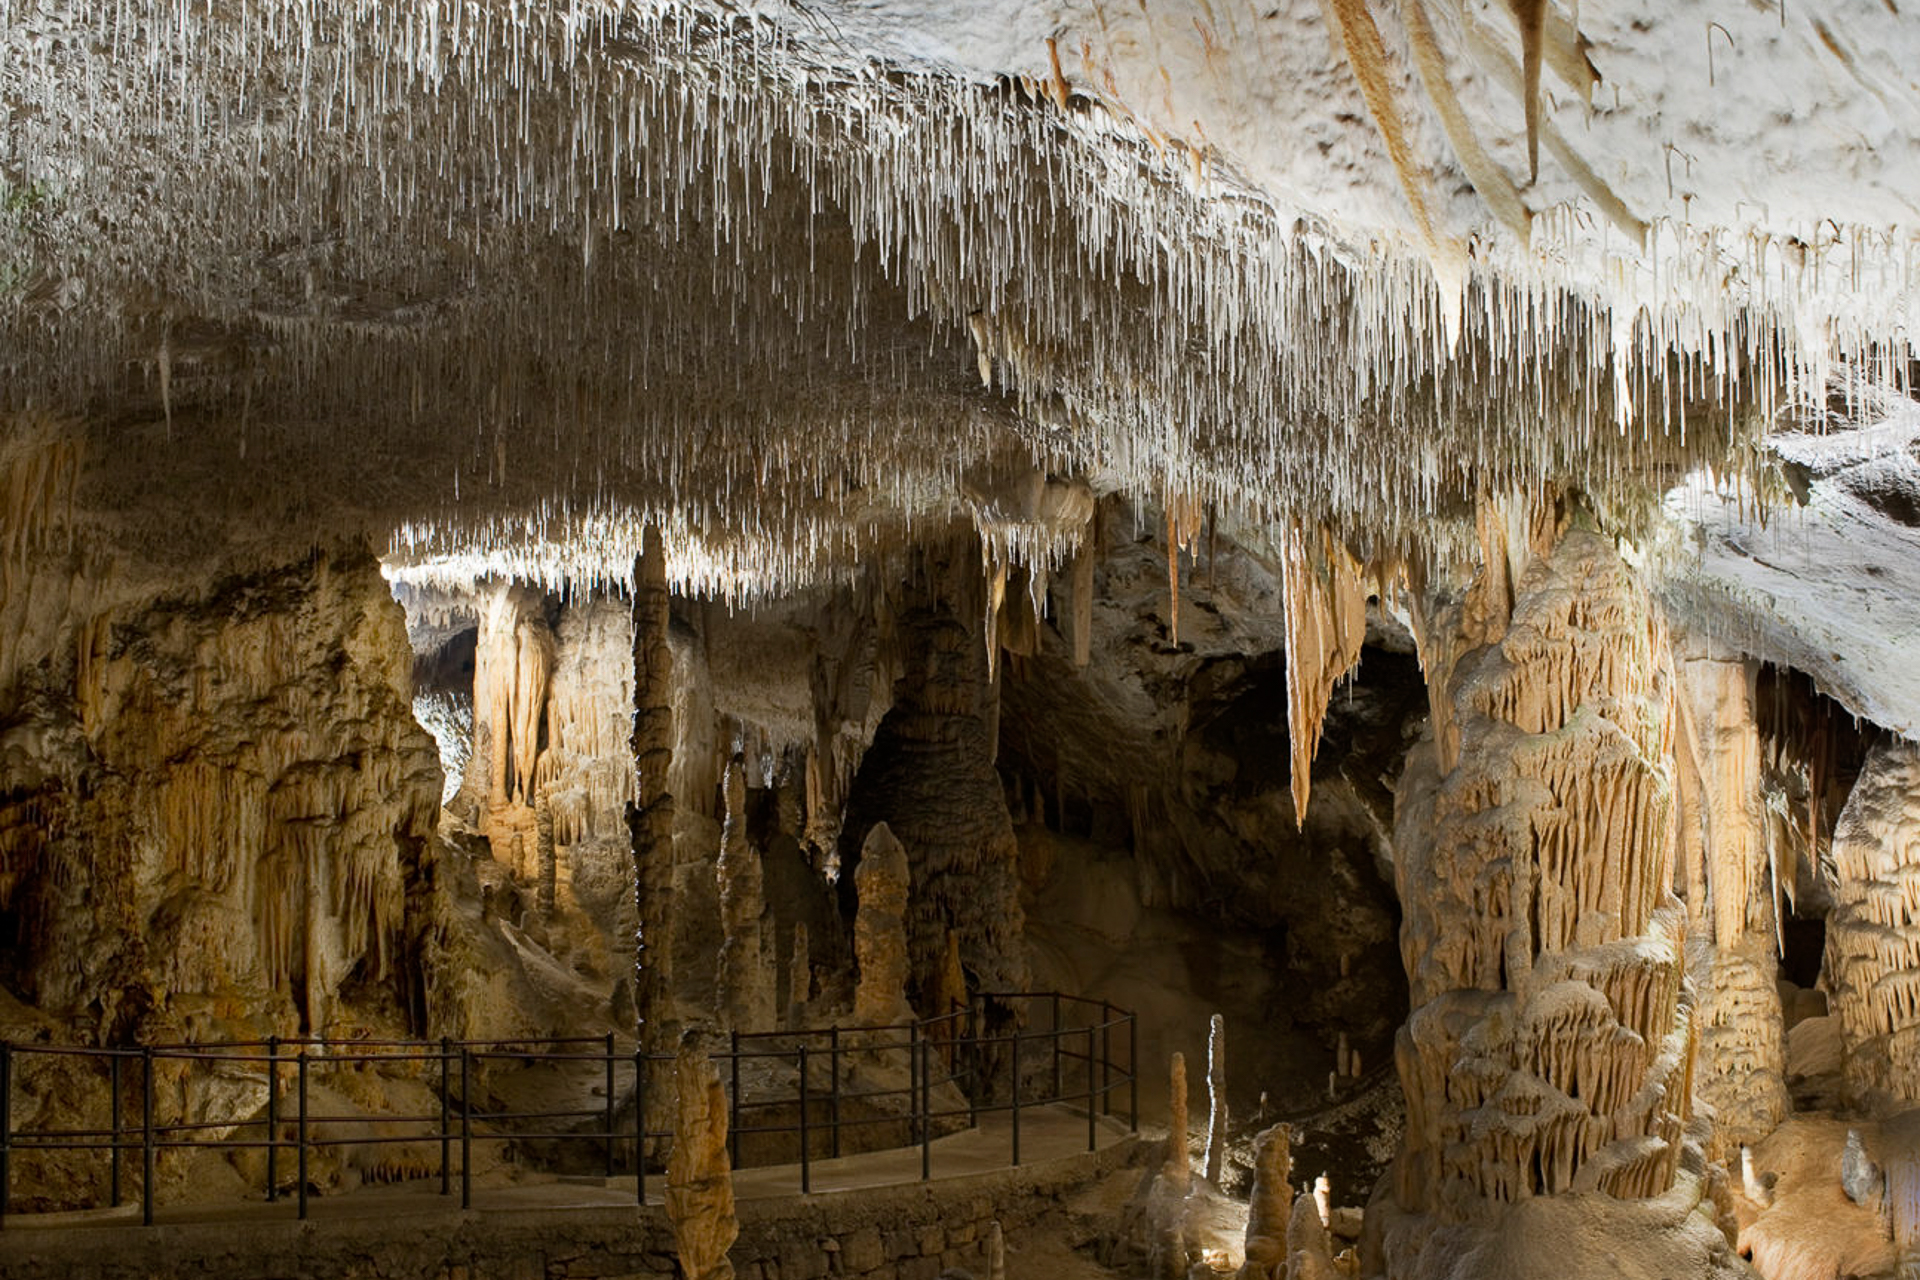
{"points": [[650, 818], [1550, 1045]]}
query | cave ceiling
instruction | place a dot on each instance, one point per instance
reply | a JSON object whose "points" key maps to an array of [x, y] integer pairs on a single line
{"points": [[499, 282]]}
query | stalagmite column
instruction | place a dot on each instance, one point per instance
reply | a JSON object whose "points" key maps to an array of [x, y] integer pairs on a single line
{"points": [[996, 1252], [1873, 934], [879, 931], [1270, 1204], [1732, 903], [1550, 1046], [1178, 1170], [1216, 1098], [699, 1195], [650, 819], [746, 980]]}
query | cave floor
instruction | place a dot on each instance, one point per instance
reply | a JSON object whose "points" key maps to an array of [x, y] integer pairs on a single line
{"points": [[1047, 1135]]}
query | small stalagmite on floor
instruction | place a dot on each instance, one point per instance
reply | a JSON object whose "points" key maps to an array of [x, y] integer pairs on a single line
{"points": [[699, 1194]]}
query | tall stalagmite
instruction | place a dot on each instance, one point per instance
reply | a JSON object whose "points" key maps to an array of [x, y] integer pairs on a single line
{"points": [[746, 974], [1873, 935], [1550, 1048], [1731, 902], [650, 819]]}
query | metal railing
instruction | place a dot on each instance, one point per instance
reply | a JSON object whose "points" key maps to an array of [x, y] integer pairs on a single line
{"points": [[984, 1058]]}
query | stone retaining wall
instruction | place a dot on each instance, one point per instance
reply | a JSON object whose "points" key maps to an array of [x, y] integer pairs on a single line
{"points": [[912, 1231]]}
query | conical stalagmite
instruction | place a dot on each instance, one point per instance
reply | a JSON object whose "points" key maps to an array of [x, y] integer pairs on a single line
{"points": [[1270, 1205], [879, 931]]}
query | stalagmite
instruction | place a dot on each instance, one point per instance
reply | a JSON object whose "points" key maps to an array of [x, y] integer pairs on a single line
{"points": [[650, 819], [1309, 1251], [996, 1252], [1270, 1205], [1873, 933], [1177, 1171], [746, 977], [699, 1196], [1216, 1098], [1732, 901], [879, 937]]}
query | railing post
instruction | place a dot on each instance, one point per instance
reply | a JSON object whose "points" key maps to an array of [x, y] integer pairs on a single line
{"points": [[146, 1136], [301, 1136], [446, 1116], [6, 1125], [115, 1114], [833, 1083], [806, 1168], [926, 1109], [1106, 1058], [609, 1104], [1016, 1095], [1133, 1073], [1057, 1091], [273, 1118], [1091, 1145], [733, 1100], [913, 1082], [639, 1124], [466, 1129], [976, 1067]]}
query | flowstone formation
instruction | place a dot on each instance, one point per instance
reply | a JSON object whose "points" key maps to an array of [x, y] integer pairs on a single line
{"points": [[217, 807], [1873, 935], [1548, 1062]]}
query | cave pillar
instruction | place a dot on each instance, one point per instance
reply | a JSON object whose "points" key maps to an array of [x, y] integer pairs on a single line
{"points": [[1873, 933], [1550, 1045], [929, 776], [1732, 905], [650, 818]]}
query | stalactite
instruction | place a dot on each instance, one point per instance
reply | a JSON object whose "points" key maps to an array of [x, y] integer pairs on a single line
{"points": [[650, 819], [1326, 628]]}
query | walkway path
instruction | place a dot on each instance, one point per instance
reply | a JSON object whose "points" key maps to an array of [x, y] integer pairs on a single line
{"points": [[1047, 1134]]}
